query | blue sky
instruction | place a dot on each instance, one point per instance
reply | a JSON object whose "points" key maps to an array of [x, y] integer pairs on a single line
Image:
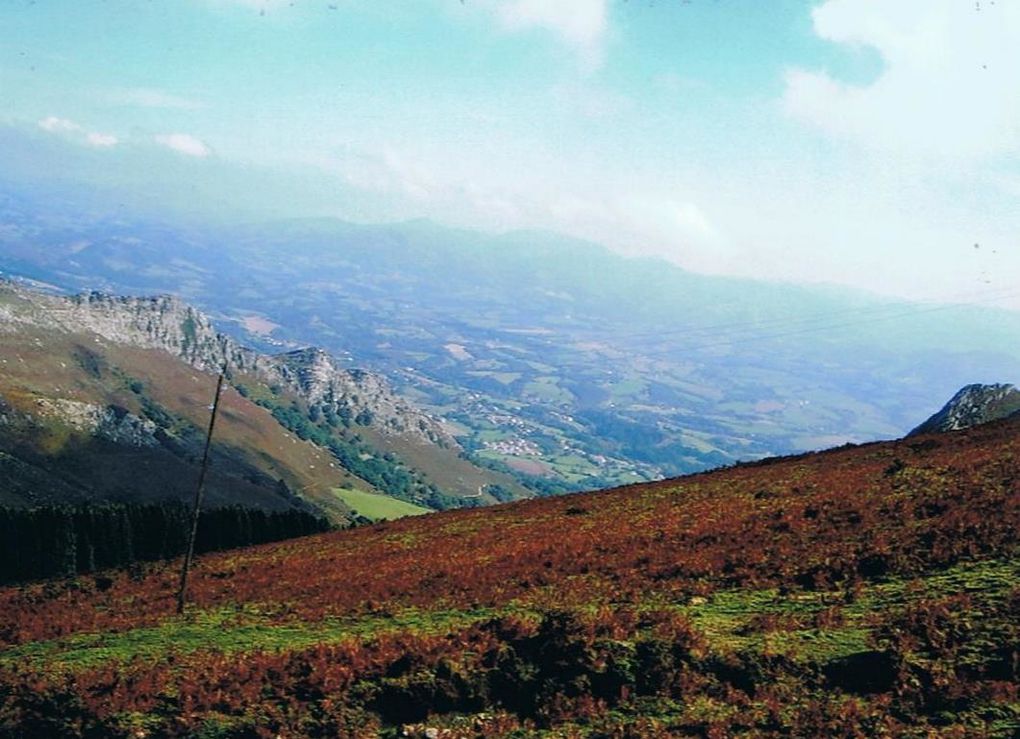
{"points": [[862, 142]]}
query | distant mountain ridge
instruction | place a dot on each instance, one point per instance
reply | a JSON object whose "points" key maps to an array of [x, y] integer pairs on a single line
{"points": [[973, 405]]}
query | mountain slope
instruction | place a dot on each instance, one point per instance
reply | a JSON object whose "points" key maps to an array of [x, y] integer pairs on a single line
{"points": [[126, 381], [831, 594], [972, 406], [87, 418]]}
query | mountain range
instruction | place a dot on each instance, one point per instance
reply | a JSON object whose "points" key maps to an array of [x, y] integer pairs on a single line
{"points": [[548, 359]]}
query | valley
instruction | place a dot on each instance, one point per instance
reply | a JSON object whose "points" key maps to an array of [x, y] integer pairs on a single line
{"points": [[549, 359]]}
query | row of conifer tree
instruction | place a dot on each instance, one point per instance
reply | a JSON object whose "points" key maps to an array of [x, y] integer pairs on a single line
{"points": [[63, 541]]}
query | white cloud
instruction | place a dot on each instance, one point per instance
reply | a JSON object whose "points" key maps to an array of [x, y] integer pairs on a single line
{"points": [[949, 87], [183, 143], [652, 223], [144, 97], [100, 140], [53, 124], [76, 132], [582, 24]]}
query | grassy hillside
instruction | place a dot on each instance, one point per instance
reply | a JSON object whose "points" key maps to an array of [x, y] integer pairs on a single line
{"points": [[864, 591]]}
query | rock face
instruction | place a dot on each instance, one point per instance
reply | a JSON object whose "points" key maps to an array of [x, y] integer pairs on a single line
{"points": [[162, 322], [356, 394], [109, 422], [972, 406], [168, 323]]}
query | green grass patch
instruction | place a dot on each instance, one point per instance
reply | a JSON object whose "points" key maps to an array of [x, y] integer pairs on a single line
{"points": [[548, 389], [225, 630], [740, 619], [503, 378], [631, 387], [378, 507]]}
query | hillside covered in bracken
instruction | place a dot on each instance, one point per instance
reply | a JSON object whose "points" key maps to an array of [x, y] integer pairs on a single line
{"points": [[863, 591]]}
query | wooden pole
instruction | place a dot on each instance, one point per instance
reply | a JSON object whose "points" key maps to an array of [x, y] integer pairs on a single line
{"points": [[182, 592]]}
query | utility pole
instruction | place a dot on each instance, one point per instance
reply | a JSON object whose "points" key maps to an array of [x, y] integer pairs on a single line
{"points": [[182, 592]]}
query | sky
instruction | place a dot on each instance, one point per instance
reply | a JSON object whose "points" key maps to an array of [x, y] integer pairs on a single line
{"points": [[867, 143]]}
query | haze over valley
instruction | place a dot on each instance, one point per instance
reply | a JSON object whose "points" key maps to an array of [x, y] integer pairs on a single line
{"points": [[547, 357]]}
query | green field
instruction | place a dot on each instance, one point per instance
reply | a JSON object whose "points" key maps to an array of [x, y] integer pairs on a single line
{"points": [[377, 507]]}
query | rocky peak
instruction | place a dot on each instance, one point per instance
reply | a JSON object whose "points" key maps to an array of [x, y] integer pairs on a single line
{"points": [[161, 322], [168, 323], [972, 406], [357, 394], [313, 369]]}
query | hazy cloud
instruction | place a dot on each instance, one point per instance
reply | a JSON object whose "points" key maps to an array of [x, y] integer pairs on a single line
{"points": [[76, 132], [949, 85], [100, 140], [582, 24], [648, 223], [53, 124], [183, 143]]}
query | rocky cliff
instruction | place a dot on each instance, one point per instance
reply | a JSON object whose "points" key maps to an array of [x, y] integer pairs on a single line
{"points": [[168, 323], [972, 406], [357, 394]]}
